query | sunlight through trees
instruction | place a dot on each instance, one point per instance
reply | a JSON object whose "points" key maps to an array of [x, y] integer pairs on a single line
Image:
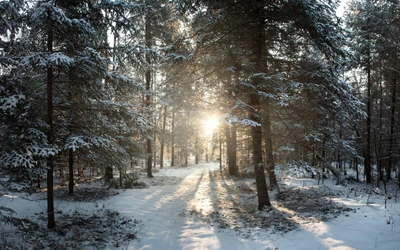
{"points": [[90, 88]]}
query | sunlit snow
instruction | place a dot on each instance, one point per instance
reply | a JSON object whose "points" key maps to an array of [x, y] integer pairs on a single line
{"points": [[172, 215]]}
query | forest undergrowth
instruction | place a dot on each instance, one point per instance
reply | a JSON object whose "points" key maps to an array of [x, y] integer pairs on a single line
{"points": [[100, 228], [235, 206]]}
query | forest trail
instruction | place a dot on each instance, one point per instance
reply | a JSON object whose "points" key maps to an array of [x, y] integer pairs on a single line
{"points": [[166, 212], [196, 207], [180, 215]]}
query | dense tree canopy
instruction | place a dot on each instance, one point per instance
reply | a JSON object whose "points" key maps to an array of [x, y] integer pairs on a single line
{"points": [[113, 83]]}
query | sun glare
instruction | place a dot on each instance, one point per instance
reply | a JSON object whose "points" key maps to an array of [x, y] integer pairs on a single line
{"points": [[210, 125]]}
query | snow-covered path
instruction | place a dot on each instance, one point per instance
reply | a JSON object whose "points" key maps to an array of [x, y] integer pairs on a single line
{"points": [[168, 224], [176, 215], [163, 212]]}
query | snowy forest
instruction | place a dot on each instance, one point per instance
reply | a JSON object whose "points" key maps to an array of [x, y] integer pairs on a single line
{"points": [[266, 99]]}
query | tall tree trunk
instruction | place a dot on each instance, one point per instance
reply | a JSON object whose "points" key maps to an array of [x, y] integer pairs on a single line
{"points": [[220, 149], [148, 97], [163, 137], [356, 167], [233, 152], [378, 159], [367, 161], [73, 117], [207, 152], [261, 184], [196, 150], [71, 171], [230, 134], [50, 166], [173, 139], [120, 177], [268, 146], [392, 123], [256, 134], [379, 142], [155, 144], [323, 158]]}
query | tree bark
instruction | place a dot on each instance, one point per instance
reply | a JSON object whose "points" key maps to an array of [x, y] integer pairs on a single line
{"points": [[367, 160], [196, 150], [230, 134], [230, 131], [220, 149], [148, 97], [50, 165], [261, 184], [71, 172], [155, 144], [163, 138], [392, 123], [379, 143], [173, 139], [256, 133], [268, 146]]}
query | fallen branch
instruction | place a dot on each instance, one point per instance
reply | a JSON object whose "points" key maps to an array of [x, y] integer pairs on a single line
{"points": [[338, 175]]}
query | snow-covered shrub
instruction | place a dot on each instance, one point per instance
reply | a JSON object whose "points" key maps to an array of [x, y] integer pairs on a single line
{"points": [[7, 217], [247, 172], [129, 180], [299, 169], [24, 145]]}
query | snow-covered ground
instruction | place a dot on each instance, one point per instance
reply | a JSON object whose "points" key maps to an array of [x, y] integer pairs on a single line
{"points": [[197, 208]]}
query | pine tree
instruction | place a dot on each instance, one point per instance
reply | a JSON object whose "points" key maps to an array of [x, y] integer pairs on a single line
{"points": [[374, 26], [65, 59], [271, 65]]}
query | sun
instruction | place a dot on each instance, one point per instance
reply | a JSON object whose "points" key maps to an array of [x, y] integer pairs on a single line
{"points": [[210, 125]]}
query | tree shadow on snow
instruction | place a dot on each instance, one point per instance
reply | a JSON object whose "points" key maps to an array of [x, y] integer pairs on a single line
{"points": [[235, 206]]}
